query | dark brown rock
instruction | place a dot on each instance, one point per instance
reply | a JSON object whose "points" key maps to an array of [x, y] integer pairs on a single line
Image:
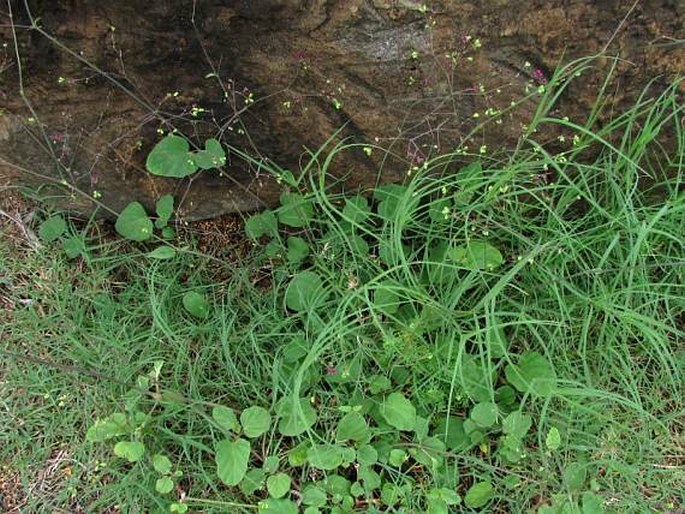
{"points": [[275, 77]]}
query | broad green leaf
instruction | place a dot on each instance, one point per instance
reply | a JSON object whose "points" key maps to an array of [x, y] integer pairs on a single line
{"points": [[52, 228], [263, 224], [389, 197], [295, 211], [436, 505], [484, 414], [169, 233], [231, 460], [255, 421], [451, 497], [379, 384], [479, 494], [298, 249], [336, 485], [104, 429], [533, 374], [553, 439], [367, 455], [278, 485], [132, 451], [475, 380], [353, 427], [295, 418], [298, 455], [356, 209], [517, 424], [314, 496], [358, 245], [430, 453], [162, 253], [161, 463], [385, 298], [440, 499], [390, 494], [213, 156], [196, 304], [304, 291], [477, 255], [270, 464], [397, 457], [295, 349], [451, 432], [277, 506], [274, 250], [73, 246], [370, 478], [164, 208], [325, 456], [171, 157], [252, 481], [133, 223], [575, 475], [225, 417], [389, 191], [164, 485], [178, 508], [496, 338], [592, 503], [398, 412], [421, 428], [505, 396]]}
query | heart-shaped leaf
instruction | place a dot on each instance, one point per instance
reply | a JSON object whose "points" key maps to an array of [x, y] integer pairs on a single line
{"points": [[196, 304], [533, 374], [164, 208], [325, 456], [213, 156], [385, 298], [225, 417], [484, 414], [164, 485], [296, 211], [255, 421], [132, 451], [52, 228], [133, 223], [477, 255], [304, 291], [277, 506], [231, 460], [298, 249], [295, 418], [261, 224], [161, 463], [278, 485], [112, 426], [162, 253], [399, 412], [171, 157], [479, 494], [517, 424], [352, 426]]}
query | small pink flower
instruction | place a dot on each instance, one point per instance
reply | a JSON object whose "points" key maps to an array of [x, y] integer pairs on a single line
{"points": [[539, 76], [331, 370]]}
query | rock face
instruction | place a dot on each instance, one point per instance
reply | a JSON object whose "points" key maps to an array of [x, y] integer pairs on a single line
{"points": [[273, 78]]}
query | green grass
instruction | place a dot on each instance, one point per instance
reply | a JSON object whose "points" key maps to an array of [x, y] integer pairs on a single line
{"points": [[591, 278]]}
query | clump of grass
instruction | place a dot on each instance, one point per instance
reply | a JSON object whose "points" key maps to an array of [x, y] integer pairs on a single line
{"points": [[537, 289]]}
